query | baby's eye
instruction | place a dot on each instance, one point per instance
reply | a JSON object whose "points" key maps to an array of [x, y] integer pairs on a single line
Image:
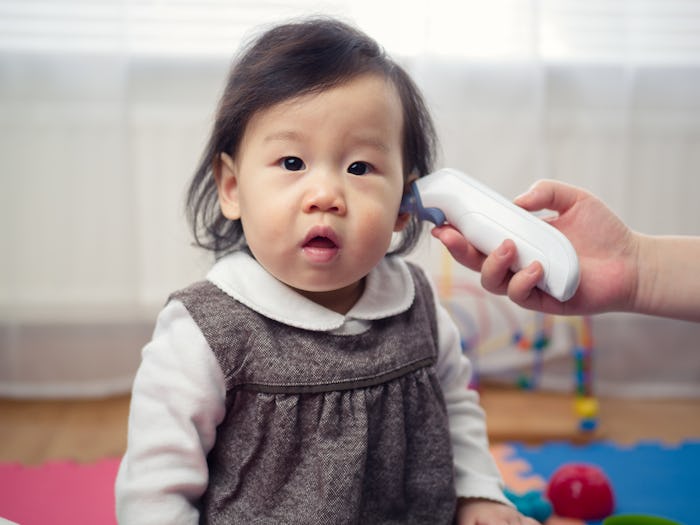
{"points": [[292, 163], [359, 168]]}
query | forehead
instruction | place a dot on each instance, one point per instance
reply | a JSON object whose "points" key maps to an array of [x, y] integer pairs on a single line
{"points": [[368, 103]]}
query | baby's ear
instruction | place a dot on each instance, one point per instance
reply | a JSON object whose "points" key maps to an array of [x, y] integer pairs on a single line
{"points": [[403, 218], [226, 177], [401, 221]]}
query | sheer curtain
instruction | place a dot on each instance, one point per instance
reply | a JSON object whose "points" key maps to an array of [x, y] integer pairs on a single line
{"points": [[105, 107]]}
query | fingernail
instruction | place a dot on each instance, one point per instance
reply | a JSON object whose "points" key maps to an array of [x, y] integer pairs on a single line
{"points": [[525, 195], [503, 250]]}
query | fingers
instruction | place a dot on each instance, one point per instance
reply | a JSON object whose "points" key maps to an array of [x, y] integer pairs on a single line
{"points": [[520, 286], [549, 194], [496, 274], [523, 291], [496, 277], [495, 270], [482, 512], [461, 249], [523, 284]]}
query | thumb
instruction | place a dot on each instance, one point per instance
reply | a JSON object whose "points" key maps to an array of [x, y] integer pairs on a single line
{"points": [[549, 194]]}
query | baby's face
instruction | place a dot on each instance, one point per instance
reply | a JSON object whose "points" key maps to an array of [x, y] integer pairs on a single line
{"points": [[317, 185]]}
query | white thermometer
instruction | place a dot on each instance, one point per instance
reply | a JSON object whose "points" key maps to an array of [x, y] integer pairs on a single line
{"points": [[486, 219]]}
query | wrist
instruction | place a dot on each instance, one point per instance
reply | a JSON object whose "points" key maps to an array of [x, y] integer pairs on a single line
{"points": [[644, 268], [666, 283]]}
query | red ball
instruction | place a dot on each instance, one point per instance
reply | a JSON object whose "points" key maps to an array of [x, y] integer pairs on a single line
{"points": [[581, 491]]}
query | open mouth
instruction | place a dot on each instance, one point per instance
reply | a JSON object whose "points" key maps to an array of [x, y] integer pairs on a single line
{"points": [[321, 245]]}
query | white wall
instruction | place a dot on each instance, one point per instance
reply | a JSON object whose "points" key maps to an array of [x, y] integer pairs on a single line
{"points": [[96, 151]]}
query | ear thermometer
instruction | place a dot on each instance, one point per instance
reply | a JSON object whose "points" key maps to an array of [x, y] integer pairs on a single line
{"points": [[486, 219]]}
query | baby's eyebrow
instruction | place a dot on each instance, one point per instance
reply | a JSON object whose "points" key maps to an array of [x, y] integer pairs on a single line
{"points": [[355, 139], [284, 136], [372, 142]]}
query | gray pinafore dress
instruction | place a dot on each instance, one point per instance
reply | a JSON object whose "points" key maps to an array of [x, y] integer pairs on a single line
{"points": [[323, 428]]}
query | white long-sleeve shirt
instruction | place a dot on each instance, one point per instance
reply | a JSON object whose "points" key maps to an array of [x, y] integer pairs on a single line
{"points": [[178, 397]]}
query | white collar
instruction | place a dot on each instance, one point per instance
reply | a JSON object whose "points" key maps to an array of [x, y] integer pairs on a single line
{"points": [[388, 291]]}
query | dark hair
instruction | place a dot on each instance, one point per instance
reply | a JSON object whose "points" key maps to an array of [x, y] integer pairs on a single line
{"points": [[285, 62]]}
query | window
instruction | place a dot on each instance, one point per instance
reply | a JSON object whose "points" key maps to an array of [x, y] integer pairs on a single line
{"points": [[640, 31]]}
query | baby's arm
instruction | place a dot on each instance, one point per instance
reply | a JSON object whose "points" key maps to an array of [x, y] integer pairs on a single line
{"points": [[476, 472], [177, 403], [478, 482]]}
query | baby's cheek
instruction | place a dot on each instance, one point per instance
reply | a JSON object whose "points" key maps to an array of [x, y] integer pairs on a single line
{"points": [[377, 227]]}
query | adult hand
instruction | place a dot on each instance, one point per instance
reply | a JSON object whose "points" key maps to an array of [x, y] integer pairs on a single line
{"points": [[607, 249]]}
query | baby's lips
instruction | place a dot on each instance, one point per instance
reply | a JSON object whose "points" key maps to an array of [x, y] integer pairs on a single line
{"points": [[320, 242], [321, 237]]}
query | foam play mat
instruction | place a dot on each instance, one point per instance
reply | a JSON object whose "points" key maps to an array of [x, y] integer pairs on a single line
{"points": [[647, 479]]}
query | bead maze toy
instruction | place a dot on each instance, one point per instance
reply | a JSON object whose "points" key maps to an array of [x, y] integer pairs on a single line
{"points": [[486, 218], [507, 343]]}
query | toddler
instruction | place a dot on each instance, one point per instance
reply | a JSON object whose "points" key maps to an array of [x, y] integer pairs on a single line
{"points": [[311, 378]]}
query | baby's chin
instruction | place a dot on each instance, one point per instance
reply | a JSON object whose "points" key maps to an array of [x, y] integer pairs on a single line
{"points": [[335, 287], [317, 279], [339, 297]]}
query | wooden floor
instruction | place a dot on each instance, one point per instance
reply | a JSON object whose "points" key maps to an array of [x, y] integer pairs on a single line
{"points": [[536, 417], [36, 431]]}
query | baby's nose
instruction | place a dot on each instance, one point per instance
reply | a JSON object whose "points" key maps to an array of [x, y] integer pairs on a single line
{"points": [[325, 194]]}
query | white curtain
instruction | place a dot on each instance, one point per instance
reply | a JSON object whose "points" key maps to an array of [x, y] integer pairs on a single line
{"points": [[105, 108]]}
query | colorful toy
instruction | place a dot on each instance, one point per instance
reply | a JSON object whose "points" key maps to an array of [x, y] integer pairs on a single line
{"points": [[581, 491], [638, 519], [531, 504], [520, 341]]}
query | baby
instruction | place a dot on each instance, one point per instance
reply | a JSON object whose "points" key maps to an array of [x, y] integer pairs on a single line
{"points": [[313, 377]]}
